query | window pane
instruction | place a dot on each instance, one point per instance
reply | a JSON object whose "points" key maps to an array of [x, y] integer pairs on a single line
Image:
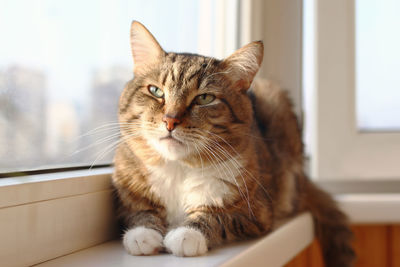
{"points": [[378, 65], [63, 65]]}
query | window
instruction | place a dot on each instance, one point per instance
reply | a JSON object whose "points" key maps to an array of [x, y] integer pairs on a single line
{"points": [[345, 97], [63, 65]]}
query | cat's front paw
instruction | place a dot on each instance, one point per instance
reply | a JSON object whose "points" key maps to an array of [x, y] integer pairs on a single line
{"points": [[142, 241], [185, 242]]}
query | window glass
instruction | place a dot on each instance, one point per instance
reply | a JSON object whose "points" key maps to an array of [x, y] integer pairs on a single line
{"points": [[63, 65], [378, 64]]}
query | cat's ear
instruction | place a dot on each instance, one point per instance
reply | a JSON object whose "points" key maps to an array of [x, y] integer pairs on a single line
{"points": [[145, 49], [244, 64]]}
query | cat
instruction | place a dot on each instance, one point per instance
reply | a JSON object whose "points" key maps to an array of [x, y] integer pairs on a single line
{"points": [[204, 159]]}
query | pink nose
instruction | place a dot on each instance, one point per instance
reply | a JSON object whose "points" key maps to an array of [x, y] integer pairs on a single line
{"points": [[171, 122]]}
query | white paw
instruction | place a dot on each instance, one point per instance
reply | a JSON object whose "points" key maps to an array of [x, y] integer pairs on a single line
{"points": [[142, 241], [185, 242]]}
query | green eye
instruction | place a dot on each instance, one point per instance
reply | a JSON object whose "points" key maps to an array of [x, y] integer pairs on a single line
{"points": [[157, 92], [204, 99]]}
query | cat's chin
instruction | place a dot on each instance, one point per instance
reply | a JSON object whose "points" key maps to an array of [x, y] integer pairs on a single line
{"points": [[170, 148]]}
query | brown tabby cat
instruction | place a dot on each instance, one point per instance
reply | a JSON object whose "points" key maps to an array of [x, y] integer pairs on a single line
{"points": [[204, 161]]}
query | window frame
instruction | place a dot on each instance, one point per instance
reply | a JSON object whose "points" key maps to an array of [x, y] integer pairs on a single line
{"points": [[341, 151], [279, 25]]}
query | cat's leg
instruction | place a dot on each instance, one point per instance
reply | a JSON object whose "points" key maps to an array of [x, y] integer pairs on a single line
{"points": [[145, 234], [207, 228]]}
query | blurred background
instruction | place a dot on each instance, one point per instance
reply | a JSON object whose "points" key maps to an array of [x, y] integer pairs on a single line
{"points": [[63, 65]]}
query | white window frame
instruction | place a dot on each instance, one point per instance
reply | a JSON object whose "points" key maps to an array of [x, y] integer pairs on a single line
{"points": [[46, 216], [279, 25], [341, 151]]}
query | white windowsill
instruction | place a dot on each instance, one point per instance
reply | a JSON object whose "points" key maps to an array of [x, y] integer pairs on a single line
{"points": [[33, 188], [273, 250], [371, 208]]}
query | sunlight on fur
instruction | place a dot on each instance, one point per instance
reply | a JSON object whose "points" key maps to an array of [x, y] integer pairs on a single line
{"points": [[205, 158]]}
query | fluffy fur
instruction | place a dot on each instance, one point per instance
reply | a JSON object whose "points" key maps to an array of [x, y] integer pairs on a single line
{"points": [[185, 241], [142, 241], [199, 174]]}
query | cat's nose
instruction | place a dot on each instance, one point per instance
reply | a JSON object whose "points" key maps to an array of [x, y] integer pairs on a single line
{"points": [[170, 122]]}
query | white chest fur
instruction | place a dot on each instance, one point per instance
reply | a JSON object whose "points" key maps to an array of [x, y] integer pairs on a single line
{"points": [[181, 188]]}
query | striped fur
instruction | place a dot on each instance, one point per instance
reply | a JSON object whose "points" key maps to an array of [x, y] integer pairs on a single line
{"points": [[230, 170]]}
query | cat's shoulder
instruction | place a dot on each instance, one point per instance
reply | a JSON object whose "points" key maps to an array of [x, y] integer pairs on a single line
{"points": [[275, 117], [266, 94]]}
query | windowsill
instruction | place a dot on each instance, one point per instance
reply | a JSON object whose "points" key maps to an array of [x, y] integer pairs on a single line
{"points": [[367, 202], [275, 249], [33, 188], [371, 208], [51, 215], [38, 211]]}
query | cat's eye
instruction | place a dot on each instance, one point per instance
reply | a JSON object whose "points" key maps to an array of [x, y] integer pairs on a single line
{"points": [[157, 92], [204, 99]]}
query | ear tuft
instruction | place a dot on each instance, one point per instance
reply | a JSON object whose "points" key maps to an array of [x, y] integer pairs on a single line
{"points": [[145, 49], [244, 64]]}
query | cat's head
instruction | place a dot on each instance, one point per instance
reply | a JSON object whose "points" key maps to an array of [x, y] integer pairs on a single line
{"points": [[184, 106]]}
